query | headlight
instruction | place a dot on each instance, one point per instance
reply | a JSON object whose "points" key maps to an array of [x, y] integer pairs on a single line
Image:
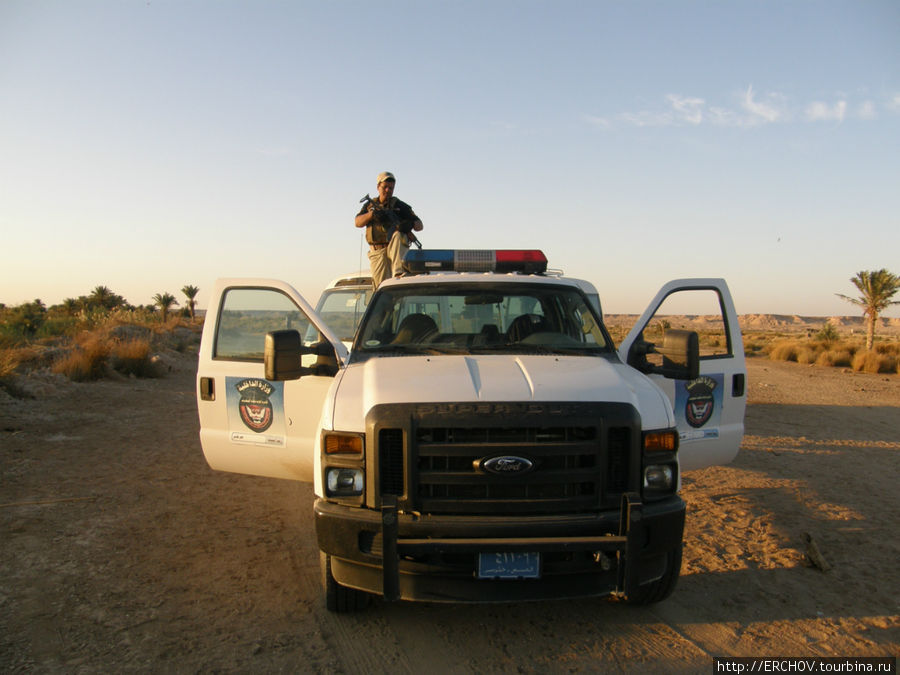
{"points": [[659, 477], [343, 482]]}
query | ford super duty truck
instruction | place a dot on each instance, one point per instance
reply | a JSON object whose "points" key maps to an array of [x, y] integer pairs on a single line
{"points": [[483, 438]]}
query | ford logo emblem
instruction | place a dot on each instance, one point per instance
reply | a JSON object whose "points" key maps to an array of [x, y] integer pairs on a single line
{"points": [[507, 464]]}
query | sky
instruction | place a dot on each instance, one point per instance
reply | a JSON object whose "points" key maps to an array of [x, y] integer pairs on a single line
{"points": [[150, 144]]}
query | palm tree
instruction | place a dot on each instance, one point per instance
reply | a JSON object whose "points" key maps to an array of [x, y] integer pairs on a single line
{"points": [[70, 306], [164, 301], [877, 289], [102, 296], [191, 293]]}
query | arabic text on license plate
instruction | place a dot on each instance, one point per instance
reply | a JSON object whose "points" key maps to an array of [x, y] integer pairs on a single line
{"points": [[509, 565]]}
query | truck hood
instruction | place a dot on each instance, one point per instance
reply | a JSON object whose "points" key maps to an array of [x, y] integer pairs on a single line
{"points": [[508, 378]]}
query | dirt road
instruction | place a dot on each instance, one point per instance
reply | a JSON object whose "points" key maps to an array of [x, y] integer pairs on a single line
{"points": [[122, 550]]}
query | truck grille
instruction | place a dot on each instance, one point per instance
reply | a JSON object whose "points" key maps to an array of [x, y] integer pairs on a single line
{"points": [[432, 457]]}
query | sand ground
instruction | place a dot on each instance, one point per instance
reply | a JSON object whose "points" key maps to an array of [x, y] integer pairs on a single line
{"points": [[123, 551]]}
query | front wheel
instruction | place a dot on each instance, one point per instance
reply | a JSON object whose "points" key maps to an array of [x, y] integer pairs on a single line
{"points": [[659, 590], [340, 599]]}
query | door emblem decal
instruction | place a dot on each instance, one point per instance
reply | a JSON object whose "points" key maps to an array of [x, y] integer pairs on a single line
{"points": [[255, 406], [700, 402]]}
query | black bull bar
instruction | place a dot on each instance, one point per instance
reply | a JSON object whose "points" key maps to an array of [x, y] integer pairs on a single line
{"points": [[626, 544]]}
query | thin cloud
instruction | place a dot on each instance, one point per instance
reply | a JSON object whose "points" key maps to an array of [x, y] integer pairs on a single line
{"points": [[750, 109], [817, 111], [762, 111], [687, 109]]}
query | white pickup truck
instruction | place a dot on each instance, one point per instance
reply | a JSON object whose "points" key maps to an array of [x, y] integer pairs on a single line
{"points": [[482, 439]]}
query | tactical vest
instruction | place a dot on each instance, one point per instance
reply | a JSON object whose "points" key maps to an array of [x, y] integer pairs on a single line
{"points": [[377, 231], [393, 217]]}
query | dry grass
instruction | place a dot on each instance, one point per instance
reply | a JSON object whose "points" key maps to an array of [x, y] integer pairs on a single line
{"points": [[836, 358], [884, 358], [87, 360], [132, 357], [874, 362], [92, 343], [9, 362], [785, 350], [112, 346], [94, 354]]}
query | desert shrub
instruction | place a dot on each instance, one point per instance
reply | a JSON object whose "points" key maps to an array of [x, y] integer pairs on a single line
{"points": [[828, 334], [890, 364], [28, 357], [808, 354], [8, 365], [8, 362], [86, 360], [784, 350], [888, 348], [838, 358], [132, 357], [873, 362]]}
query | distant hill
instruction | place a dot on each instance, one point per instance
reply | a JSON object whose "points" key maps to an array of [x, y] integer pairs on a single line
{"points": [[770, 322]]}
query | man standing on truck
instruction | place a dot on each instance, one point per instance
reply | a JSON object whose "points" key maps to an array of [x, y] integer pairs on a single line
{"points": [[389, 223]]}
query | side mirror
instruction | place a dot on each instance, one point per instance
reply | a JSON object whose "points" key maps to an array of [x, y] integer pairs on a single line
{"points": [[681, 355], [282, 355]]}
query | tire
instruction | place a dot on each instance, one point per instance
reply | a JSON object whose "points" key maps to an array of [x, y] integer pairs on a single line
{"points": [[339, 599], [659, 590]]}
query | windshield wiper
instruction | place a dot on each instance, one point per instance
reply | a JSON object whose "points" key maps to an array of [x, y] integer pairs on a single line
{"points": [[403, 349], [547, 349]]}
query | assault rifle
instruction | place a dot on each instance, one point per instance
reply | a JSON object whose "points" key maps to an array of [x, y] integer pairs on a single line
{"points": [[392, 220]]}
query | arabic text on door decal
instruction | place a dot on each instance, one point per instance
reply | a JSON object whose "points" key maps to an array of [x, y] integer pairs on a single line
{"points": [[698, 406], [255, 411]]}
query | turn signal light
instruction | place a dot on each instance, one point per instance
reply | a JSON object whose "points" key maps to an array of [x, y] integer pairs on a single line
{"points": [[661, 441], [341, 444]]}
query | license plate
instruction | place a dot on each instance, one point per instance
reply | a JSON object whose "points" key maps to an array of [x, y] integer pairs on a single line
{"points": [[509, 565]]}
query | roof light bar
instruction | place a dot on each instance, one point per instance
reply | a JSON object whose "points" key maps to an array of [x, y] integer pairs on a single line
{"points": [[475, 260]]}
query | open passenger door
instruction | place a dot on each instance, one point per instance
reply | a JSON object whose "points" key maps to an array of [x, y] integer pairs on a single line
{"points": [[709, 409], [249, 424]]}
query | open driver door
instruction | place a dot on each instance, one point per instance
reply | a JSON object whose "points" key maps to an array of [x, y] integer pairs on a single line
{"points": [[249, 424]]}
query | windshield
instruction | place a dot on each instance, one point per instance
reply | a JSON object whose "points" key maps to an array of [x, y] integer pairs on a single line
{"points": [[464, 318], [341, 309]]}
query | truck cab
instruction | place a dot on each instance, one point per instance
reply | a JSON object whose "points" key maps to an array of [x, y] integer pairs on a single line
{"points": [[482, 438], [342, 305]]}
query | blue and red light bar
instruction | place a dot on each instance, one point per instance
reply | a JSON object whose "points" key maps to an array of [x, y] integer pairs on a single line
{"points": [[474, 260]]}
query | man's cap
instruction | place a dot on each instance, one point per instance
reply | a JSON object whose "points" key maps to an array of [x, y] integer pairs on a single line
{"points": [[386, 175]]}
